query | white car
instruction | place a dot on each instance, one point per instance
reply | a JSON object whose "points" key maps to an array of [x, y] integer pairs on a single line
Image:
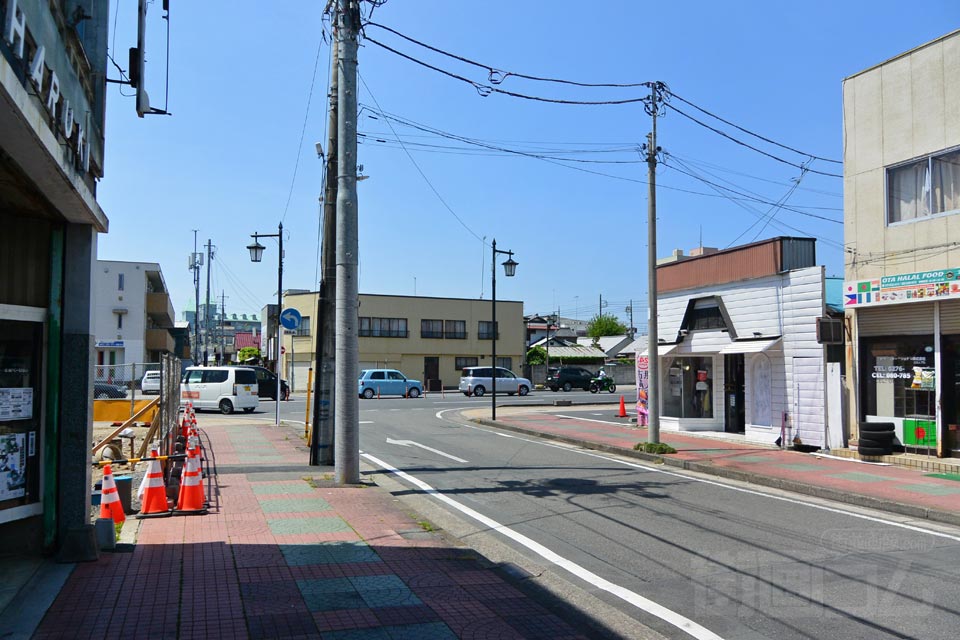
{"points": [[221, 388], [479, 380], [150, 383]]}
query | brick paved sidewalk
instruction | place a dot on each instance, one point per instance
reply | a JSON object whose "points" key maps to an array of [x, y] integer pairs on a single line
{"points": [[282, 557], [901, 490]]}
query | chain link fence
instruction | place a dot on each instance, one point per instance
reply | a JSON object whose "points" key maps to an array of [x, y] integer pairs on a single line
{"points": [[118, 381]]}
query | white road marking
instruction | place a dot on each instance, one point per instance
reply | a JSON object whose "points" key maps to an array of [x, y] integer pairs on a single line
{"points": [[366, 422], [667, 615], [408, 443], [504, 435], [619, 424], [652, 469]]}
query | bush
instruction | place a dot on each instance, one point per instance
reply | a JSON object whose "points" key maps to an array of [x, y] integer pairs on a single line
{"points": [[659, 448]]}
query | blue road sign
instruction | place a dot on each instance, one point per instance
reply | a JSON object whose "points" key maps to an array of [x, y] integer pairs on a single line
{"points": [[290, 319]]}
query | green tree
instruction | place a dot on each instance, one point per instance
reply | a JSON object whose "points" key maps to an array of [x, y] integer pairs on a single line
{"points": [[537, 355], [605, 325], [248, 352]]}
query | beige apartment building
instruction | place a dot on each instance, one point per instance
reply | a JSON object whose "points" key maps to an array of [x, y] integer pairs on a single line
{"points": [[430, 339], [902, 233]]}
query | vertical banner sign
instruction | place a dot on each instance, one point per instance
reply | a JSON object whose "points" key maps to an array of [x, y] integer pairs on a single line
{"points": [[643, 386]]}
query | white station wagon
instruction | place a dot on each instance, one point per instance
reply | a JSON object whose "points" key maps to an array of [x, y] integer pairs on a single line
{"points": [[478, 380]]}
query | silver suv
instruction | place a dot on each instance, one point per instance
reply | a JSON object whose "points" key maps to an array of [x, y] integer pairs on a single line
{"points": [[478, 380]]}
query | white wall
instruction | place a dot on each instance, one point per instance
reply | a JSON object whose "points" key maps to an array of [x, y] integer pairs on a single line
{"points": [[133, 298]]}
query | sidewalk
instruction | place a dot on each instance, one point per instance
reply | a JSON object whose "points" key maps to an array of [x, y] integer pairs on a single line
{"points": [[896, 489], [285, 554]]}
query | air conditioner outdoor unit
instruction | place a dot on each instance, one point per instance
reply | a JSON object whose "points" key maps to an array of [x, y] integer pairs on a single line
{"points": [[830, 330]]}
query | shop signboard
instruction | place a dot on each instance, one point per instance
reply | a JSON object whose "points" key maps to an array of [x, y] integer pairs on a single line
{"points": [[902, 288], [643, 388], [13, 462]]}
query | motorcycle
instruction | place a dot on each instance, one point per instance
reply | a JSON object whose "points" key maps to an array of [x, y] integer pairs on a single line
{"points": [[602, 384]]}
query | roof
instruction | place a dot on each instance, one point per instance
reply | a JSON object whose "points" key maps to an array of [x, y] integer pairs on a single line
{"points": [[904, 54], [611, 345], [637, 346], [241, 340], [578, 351]]}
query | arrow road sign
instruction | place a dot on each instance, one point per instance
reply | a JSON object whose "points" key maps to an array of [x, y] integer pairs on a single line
{"points": [[290, 319]]}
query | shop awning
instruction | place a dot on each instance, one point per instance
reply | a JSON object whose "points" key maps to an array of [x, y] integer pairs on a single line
{"points": [[662, 349], [750, 346]]}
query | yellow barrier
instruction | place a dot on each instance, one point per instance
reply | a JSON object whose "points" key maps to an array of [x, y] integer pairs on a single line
{"points": [[119, 410]]}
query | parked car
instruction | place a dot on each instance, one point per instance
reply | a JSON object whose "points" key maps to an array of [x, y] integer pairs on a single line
{"points": [[388, 382], [223, 388], [568, 378], [478, 380], [104, 391], [267, 383], [150, 384]]}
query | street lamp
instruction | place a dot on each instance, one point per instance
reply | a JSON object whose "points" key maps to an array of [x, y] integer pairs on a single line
{"points": [[509, 269], [256, 254]]}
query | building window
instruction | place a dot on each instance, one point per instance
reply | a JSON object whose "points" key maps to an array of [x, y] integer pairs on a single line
{"points": [[383, 327], [462, 363], [923, 188], [688, 387], [304, 329], [899, 385], [119, 321], [706, 315], [455, 330], [119, 282], [485, 330], [431, 328], [505, 363]]}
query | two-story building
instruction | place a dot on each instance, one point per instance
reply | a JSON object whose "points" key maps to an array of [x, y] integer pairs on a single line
{"points": [[431, 339], [901, 167]]}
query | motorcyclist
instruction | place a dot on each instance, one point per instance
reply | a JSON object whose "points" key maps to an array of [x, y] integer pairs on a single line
{"points": [[601, 374]]}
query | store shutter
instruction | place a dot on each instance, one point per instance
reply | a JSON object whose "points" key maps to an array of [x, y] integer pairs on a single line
{"points": [[911, 319], [950, 316]]}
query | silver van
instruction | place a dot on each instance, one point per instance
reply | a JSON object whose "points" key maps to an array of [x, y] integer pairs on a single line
{"points": [[222, 388], [477, 381]]}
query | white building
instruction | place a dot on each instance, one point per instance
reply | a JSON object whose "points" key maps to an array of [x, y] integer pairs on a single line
{"points": [[132, 313], [738, 343]]}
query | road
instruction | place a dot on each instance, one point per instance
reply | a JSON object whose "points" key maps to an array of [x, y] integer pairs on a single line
{"points": [[682, 555]]}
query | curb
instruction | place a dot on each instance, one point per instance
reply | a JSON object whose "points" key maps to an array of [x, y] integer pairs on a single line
{"points": [[826, 493]]}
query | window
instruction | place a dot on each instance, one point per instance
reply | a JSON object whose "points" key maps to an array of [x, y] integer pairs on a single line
{"points": [[485, 330], [244, 376], [304, 329], [923, 188], [383, 327], [119, 282], [378, 375], [898, 383], [455, 330], [431, 328], [214, 375], [462, 363], [395, 375], [194, 376], [503, 372], [706, 315], [687, 391], [506, 363], [119, 321]]}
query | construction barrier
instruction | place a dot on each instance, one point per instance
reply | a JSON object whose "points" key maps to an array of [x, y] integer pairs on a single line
{"points": [[110, 506]]}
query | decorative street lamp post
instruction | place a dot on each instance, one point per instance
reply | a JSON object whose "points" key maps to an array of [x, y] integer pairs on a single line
{"points": [[509, 269], [256, 254]]}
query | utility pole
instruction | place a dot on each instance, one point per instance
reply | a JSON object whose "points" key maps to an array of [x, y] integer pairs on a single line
{"points": [[600, 309], [629, 310], [322, 439], [223, 336], [347, 421], [196, 261], [206, 309], [653, 351]]}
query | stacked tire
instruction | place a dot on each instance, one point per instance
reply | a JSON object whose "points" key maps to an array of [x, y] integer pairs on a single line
{"points": [[876, 438]]}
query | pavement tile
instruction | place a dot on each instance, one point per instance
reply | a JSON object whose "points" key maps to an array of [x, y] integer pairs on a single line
{"points": [[292, 505], [800, 467], [374, 633], [405, 614], [931, 489], [426, 631], [281, 488], [345, 619], [292, 526], [857, 476], [281, 625], [272, 597]]}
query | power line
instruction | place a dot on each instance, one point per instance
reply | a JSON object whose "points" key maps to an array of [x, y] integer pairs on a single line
{"points": [[303, 130], [748, 146], [497, 76], [751, 133]]}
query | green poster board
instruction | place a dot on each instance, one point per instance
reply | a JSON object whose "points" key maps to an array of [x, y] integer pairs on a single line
{"points": [[919, 433]]}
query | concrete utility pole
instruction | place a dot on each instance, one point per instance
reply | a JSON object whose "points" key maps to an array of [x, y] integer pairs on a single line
{"points": [[347, 422], [322, 449], [223, 335], [206, 309], [653, 351], [196, 261]]}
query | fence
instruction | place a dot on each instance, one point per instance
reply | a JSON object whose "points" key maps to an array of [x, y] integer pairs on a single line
{"points": [[114, 381], [168, 413], [622, 374]]}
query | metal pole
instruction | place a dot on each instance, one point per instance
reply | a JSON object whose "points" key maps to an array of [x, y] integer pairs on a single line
{"points": [[493, 307], [346, 424], [206, 309], [196, 290], [653, 352], [321, 447], [279, 309]]}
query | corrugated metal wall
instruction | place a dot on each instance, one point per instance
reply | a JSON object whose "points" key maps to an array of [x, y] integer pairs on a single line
{"points": [[896, 320]]}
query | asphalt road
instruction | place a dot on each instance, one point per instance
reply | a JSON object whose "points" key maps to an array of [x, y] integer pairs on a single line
{"points": [[682, 555]]}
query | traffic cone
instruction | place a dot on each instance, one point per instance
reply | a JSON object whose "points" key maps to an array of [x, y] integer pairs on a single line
{"points": [[190, 500], [152, 493], [623, 409], [110, 506]]}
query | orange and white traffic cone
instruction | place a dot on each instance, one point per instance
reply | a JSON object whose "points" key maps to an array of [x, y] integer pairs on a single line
{"points": [[623, 409], [110, 506], [152, 493], [190, 500]]}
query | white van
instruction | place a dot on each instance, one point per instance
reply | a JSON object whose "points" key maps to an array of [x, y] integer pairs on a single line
{"points": [[223, 388]]}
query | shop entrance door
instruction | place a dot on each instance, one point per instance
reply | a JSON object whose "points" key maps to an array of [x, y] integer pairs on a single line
{"points": [[734, 416], [950, 394], [431, 373]]}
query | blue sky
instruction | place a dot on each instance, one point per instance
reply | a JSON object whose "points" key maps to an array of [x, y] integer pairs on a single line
{"points": [[240, 78]]}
